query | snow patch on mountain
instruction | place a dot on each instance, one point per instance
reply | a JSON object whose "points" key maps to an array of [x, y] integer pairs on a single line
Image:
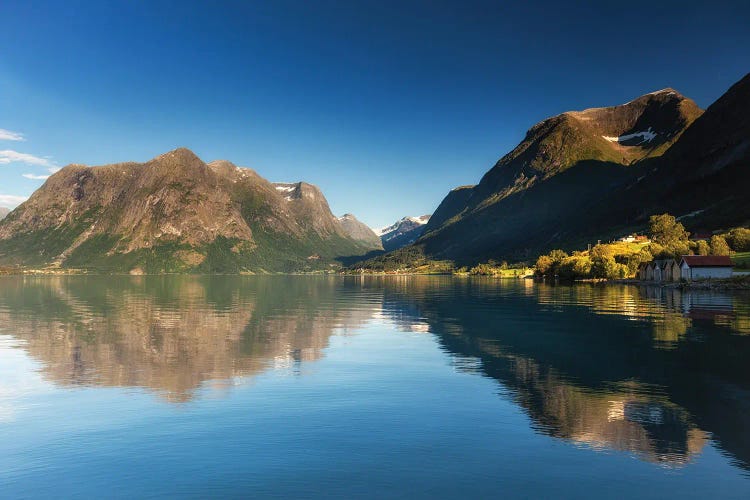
{"points": [[646, 136]]}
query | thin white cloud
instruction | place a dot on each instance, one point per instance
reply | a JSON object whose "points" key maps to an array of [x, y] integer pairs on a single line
{"points": [[9, 135], [11, 200], [42, 177], [10, 156]]}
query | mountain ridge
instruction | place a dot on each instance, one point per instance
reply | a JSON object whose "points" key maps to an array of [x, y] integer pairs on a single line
{"points": [[173, 213]]}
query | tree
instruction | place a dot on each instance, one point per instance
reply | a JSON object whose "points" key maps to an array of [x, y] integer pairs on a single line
{"points": [[635, 260], [547, 265], [558, 255], [543, 265], [739, 239], [602, 251], [702, 248], [575, 267], [666, 231], [719, 245]]}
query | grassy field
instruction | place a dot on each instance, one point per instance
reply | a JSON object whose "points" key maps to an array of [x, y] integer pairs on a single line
{"points": [[741, 260]]}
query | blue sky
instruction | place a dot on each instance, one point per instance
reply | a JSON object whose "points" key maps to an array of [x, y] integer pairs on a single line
{"points": [[385, 105]]}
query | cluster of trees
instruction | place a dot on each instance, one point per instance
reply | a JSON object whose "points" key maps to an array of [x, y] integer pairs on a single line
{"points": [[493, 268], [602, 261], [669, 239], [738, 239]]}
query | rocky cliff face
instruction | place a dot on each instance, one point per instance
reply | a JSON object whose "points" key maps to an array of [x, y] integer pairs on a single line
{"points": [[174, 213], [3, 212]]}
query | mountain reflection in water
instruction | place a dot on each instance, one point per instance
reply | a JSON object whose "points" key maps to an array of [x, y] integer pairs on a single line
{"points": [[651, 371]]}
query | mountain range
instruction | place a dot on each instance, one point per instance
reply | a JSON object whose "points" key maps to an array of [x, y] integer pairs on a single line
{"points": [[176, 213], [575, 178], [599, 173]]}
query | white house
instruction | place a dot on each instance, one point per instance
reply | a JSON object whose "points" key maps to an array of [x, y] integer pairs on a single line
{"points": [[697, 267]]}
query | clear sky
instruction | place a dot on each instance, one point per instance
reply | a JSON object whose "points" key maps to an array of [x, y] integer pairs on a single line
{"points": [[385, 105]]}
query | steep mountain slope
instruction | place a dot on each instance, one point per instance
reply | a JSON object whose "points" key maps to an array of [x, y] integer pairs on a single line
{"points": [[709, 167], [3, 212], [403, 232], [174, 213], [542, 193], [360, 232], [617, 136]]}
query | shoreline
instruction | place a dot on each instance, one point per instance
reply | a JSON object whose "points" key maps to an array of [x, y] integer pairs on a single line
{"points": [[734, 283]]}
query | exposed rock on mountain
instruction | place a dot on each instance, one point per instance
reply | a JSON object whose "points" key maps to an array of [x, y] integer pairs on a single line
{"points": [[3, 212], [359, 231], [402, 232], [174, 213]]}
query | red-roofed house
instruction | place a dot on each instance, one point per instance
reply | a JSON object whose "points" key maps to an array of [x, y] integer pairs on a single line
{"points": [[698, 267]]}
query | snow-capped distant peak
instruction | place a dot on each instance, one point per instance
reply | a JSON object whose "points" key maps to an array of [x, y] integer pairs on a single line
{"points": [[646, 136], [422, 219], [419, 221]]}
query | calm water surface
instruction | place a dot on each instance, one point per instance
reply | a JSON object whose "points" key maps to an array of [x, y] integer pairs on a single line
{"points": [[370, 387]]}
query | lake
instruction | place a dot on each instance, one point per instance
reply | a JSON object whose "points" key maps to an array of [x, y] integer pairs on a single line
{"points": [[352, 387]]}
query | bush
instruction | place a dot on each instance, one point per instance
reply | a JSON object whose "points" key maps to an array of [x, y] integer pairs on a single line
{"points": [[719, 245]]}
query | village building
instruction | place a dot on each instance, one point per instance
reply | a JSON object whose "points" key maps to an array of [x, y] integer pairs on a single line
{"points": [[642, 270], [672, 271], [659, 269], [697, 267], [633, 238], [650, 271]]}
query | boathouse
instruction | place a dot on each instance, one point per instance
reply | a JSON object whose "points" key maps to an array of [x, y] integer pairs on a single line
{"points": [[697, 267]]}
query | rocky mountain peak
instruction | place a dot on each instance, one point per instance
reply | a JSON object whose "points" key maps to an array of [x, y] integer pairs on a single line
{"points": [[173, 212]]}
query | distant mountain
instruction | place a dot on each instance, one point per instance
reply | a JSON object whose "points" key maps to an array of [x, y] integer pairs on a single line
{"points": [[174, 213], [3, 212], [402, 232], [360, 232]]}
